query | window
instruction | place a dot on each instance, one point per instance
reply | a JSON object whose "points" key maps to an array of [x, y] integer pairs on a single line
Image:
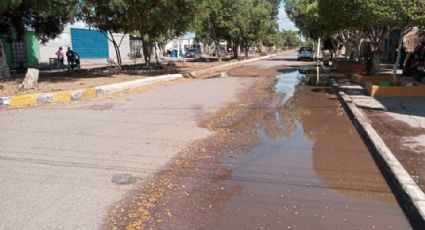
{"points": [[308, 49], [18, 51]]}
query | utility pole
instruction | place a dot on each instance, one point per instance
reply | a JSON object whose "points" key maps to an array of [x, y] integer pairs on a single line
{"points": [[318, 49], [178, 49]]}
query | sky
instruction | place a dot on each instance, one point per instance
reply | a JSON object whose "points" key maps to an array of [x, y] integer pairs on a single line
{"points": [[284, 22]]}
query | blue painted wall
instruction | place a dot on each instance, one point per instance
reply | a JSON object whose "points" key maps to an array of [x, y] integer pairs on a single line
{"points": [[89, 43]]}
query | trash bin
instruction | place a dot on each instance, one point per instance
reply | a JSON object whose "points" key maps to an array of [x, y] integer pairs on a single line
{"points": [[174, 53]]}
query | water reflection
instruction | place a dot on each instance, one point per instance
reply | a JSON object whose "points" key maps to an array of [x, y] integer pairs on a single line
{"points": [[312, 170]]}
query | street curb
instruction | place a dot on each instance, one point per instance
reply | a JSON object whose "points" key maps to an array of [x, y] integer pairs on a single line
{"points": [[81, 94], [408, 193], [92, 93]]}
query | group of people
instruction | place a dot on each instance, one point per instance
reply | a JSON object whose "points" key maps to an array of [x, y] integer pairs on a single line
{"points": [[72, 57]]}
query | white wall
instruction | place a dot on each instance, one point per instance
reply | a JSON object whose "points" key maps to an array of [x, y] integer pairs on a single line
{"points": [[49, 49], [64, 40], [124, 48]]}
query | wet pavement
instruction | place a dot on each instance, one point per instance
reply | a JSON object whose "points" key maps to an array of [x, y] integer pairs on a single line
{"points": [[294, 161], [311, 170]]}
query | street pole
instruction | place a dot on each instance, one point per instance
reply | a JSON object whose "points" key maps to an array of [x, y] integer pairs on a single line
{"points": [[318, 49], [178, 49], [318, 61]]}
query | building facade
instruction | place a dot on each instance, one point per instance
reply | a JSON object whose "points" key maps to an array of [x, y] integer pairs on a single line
{"points": [[88, 43], [21, 52]]}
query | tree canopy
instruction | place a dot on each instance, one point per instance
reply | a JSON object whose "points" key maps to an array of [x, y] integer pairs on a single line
{"points": [[154, 20], [47, 18], [243, 22], [367, 19]]}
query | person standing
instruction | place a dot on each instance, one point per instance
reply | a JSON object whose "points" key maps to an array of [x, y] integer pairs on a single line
{"points": [[70, 56], [59, 58]]}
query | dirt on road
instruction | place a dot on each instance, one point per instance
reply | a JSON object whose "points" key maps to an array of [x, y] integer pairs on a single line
{"points": [[282, 157], [404, 140]]}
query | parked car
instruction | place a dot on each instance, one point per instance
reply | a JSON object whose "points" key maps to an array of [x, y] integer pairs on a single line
{"points": [[193, 53], [305, 52]]}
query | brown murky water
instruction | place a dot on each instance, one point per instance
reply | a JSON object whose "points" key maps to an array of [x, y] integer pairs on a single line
{"points": [[298, 163], [311, 170]]}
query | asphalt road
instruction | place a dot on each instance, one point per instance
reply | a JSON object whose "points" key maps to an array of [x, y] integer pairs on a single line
{"points": [[67, 166], [63, 166]]}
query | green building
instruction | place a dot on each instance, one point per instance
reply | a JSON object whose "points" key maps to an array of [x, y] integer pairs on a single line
{"points": [[21, 52]]}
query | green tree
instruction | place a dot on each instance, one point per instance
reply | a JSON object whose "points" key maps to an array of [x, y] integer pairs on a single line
{"points": [[290, 38], [159, 20], [275, 7], [305, 15], [373, 18], [243, 22], [108, 16], [216, 20], [408, 14], [47, 18], [254, 23]]}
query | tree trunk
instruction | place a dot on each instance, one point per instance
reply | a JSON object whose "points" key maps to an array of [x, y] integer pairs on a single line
{"points": [[147, 50], [118, 54], [247, 47], [235, 49], [116, 47], [156, 53], [206, 48], [217, 49], [4, 68], [319, 42], [395, 67], [375, 68], [30, 81]]}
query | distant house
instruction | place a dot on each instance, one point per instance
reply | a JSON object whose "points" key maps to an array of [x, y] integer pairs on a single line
{"points": [[27, 51], [21, 51], [88, 43], [186, 42]]}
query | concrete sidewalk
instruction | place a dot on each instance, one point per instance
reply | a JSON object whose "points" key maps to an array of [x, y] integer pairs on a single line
{"points": [[95, 92], [394, 129]]}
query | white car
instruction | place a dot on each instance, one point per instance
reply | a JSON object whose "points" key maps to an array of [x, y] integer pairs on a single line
{"points": [[305, 52]]}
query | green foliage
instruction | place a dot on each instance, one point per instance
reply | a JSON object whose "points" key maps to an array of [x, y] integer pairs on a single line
{"points": [[275, 7], [290, 38], [160, 20], [305, 14], [373, 18], [47, 18], [244, 22], [105, 15], [253, 23]]}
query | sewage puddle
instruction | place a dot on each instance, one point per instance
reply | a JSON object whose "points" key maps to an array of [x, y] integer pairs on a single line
{"points": [[311, 170], [306, 169]]}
